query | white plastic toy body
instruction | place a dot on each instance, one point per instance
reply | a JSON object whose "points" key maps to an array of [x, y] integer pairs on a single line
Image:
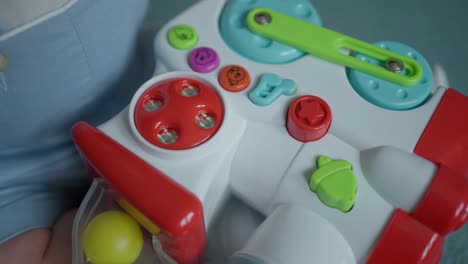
{"points": [[253, 156]]}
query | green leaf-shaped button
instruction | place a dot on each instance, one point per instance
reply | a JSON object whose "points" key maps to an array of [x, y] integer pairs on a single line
{"points": [[334, 183]]}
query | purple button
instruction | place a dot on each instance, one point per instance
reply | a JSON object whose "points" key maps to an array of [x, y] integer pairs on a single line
{"points": [[204, 60]]}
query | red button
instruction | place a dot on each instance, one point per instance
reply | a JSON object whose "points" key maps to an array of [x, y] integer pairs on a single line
{"points": [[309, 118], [179, 114]]}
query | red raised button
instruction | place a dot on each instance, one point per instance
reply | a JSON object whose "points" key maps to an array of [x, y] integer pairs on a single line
{"points": [[309, 118], [179, 114]]}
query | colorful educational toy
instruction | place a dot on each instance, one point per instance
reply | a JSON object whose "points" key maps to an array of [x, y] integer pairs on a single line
{"points": [[351, 150]]}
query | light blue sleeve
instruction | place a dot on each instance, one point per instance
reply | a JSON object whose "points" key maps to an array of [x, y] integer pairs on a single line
{"points": [[83, 64]]}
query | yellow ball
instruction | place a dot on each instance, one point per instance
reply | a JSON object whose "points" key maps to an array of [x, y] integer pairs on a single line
{"points": [[112, 237]]}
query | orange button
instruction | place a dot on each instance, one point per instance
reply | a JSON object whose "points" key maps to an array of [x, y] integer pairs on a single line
{"points": [[234, 78], [309, 118]]}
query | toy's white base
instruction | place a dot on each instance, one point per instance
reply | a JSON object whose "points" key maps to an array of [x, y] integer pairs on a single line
{"points": [[237, 221], [231, 228]]}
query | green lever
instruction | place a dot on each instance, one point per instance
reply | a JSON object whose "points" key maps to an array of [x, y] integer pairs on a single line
{"points": [[328, 45]]}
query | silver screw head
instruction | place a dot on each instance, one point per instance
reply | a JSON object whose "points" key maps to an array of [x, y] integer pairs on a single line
{"points": [[263, 18], [395, 65]]}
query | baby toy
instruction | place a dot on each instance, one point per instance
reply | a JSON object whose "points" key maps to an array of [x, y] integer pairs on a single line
{"points": [[349, 149]]}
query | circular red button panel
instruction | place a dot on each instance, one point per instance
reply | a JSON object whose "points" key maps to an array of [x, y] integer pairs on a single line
{"points": [[309, 118], [178, 114]]}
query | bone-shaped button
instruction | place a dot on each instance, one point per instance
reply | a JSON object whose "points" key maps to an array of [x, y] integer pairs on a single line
{"points": [[270, 87]]}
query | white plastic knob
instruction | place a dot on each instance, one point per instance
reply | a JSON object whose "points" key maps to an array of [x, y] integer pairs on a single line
{"points": [[400, 177]]}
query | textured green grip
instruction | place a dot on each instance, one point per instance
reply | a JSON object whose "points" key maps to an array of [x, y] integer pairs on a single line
{"points": [[329, 45]]}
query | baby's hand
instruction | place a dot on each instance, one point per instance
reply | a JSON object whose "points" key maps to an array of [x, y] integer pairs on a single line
{"points": [[41, 246]]}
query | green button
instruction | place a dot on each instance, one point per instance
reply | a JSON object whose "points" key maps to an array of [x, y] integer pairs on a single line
{"points": [[183, 37], [334, 183]]}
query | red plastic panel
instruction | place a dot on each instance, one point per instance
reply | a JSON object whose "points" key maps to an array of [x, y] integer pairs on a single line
{"points": [[188, 108], [445, 143], [444, 208], [445, 139], [174, 209], [405, 240]]}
